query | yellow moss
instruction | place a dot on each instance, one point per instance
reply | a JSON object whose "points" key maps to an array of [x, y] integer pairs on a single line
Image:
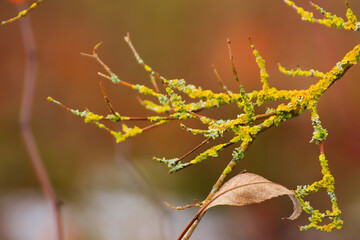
{"points": [[261, 64], [145, 90], [147, 68], [353, 56], [127, 132], [305, 15], [254, 130], [270, 121], [227, 170], [299, 72], [211, 152], [92, 117], [290, 3], [23, 13], [329, 19], [283, 108], [50, 99], [243, 118], [155, 118], [102, 126], [155, 107]]}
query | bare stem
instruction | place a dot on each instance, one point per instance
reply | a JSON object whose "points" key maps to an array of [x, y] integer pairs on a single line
{"points": [[265, 115], [154, 125], [25, 127], [219, 79], [141, 61], [194, 149], [180, 208], [106, 67], [189, 229], [232, 61], [106, 98], [321, 148], [153, 82], [198, 116]]}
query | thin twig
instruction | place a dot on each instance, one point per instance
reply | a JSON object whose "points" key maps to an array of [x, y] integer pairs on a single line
{"points": [[232, 61], [153, 82], [180, 208], [219, 79], [198, 116], [125, 119], [141, 61], [265, 115], [193, 150], [25, 127], [106, 67], [22, 13], [321, 148], [154, 125], [106, 98], [296, 9], [225, 146], [147, 118]]}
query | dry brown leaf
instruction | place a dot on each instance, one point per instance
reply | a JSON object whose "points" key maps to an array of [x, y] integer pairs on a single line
{"points": [[249, 188]]}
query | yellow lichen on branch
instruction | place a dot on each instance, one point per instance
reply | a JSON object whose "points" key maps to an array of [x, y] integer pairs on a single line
{"points": [[22, 13], [250, 121], [327, 182], [329, 20], [243, 127]]}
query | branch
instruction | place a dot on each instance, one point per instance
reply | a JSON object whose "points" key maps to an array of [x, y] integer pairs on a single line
{"points": [[25, 127], [22, 13]]}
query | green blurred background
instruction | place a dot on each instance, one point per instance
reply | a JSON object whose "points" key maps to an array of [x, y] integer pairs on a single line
{"points": [[115, 191]]}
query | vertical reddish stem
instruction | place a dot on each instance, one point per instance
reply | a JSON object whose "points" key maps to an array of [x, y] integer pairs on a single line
{"points": [[24, 122]]}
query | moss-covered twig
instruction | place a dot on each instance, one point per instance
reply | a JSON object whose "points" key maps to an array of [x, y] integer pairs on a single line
{"points": [[21, 13], [329, 20]]}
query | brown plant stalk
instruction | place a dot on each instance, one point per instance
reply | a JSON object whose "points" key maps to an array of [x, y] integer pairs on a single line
{"points": [[30, 76]]}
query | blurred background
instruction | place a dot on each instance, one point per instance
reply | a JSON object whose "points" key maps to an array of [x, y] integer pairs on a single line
{"points": [[115, 191]]}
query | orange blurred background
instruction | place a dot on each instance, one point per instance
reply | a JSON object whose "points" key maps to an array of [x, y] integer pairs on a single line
{"points": [[115, 191]]}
